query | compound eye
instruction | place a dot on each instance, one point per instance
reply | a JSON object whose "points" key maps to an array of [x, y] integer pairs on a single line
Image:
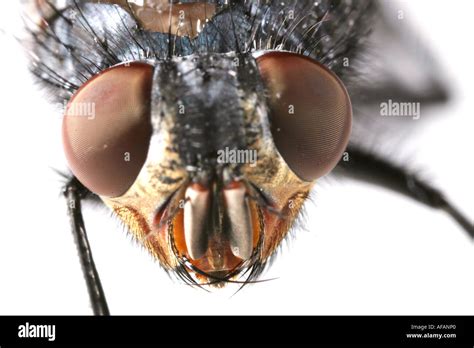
{"points": [[107, 128], [310, 113]]}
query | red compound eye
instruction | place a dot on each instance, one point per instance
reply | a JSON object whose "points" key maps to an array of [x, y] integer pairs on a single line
{"points": [[310, 113], [107, 128]]}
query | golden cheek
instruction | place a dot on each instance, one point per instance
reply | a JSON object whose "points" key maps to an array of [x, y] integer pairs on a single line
{"points": [[277, 226], [142, 230], [139, 208], [285, 191], [147, 227]]}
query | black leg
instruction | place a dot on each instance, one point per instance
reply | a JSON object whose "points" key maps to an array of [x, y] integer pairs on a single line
{"points": [[75, 193], [363, 165]]}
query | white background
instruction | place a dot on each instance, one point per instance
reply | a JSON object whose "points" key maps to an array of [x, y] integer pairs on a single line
{"points": [[367, 251]]}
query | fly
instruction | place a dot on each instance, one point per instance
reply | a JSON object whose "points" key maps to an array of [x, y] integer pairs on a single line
{"points": [[156, 90]]}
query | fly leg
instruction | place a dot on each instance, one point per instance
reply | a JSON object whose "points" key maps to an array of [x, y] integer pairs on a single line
{"points": [[75, 192], [369, 167]]}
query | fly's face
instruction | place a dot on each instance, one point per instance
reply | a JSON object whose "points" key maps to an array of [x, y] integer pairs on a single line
{"points": [[208, 158]]}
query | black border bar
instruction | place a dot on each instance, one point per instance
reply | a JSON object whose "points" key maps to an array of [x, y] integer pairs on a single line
{"points": [[137, 331]]}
